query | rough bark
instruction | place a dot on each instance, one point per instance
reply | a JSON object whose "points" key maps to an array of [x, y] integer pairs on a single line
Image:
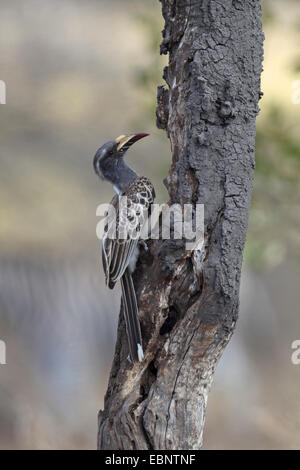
{"points": [[189, 300]]}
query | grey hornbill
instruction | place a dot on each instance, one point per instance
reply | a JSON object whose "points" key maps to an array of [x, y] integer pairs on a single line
{"points": [[119, 252]]}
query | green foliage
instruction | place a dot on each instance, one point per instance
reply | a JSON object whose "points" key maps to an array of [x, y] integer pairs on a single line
{"points": [[268, 14], [274, 223], [149, 77], [277, 147]]}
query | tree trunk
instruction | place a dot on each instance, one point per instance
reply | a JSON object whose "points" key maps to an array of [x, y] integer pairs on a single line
{"points": [[189, 301]]}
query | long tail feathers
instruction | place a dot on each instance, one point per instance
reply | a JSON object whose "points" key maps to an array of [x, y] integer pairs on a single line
{"points": [[130, 310]]}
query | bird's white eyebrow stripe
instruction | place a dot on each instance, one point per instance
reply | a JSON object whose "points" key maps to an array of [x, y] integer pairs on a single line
{"points": [[99, 160], [98, 165]]}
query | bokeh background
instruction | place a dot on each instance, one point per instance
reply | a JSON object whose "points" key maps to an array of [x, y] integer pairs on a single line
{"points": [[77, 74]]}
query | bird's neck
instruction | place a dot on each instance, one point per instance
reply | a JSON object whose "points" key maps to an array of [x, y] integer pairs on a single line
{"points": [[123, 177]]}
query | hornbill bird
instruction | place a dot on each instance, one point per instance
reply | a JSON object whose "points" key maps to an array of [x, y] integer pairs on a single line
{"points": [[120, 247]]}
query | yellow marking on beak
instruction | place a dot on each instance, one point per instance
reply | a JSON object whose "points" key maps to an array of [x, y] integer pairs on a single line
{"points": [[123, 139]]}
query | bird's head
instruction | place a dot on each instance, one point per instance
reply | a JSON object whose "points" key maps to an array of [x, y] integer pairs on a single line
{"points": [[109, 157]]}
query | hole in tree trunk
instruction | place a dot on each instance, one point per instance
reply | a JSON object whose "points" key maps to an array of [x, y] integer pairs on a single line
{"points": [[170, 321]]}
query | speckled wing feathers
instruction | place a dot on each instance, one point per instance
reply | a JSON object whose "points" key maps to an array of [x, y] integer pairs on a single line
{"points": [[129, 217]]}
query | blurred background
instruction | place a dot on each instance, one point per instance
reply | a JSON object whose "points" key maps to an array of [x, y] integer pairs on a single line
{"points": [[78, 74]]}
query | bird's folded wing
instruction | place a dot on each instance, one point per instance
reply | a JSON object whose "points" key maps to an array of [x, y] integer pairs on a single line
{"points": [[120, 257], [124, 227], [117, 251]]}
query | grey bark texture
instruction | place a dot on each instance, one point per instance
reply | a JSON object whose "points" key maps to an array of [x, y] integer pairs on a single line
{"points": [[189, 301]]}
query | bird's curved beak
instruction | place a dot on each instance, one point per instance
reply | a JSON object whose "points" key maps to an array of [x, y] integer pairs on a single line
{"points": [[125, 141]]}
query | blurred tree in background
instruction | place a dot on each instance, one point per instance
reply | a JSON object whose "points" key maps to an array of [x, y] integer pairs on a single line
{"points": [[274, 220]]}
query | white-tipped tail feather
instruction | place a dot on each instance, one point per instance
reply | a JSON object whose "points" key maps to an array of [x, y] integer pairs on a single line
{"points": [[140, 352], [130, 310]]}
